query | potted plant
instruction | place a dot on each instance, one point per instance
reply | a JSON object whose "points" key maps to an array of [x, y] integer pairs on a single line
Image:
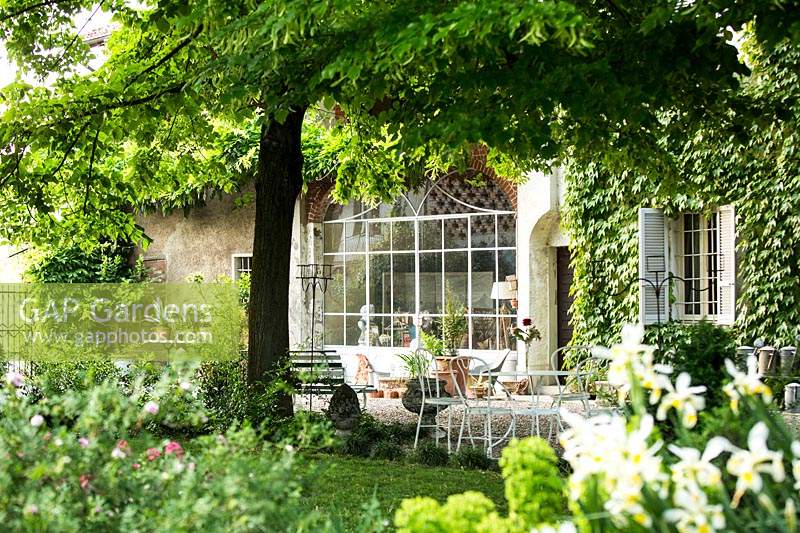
{"points": [[454, 325], [417, 365], [526, 333]]}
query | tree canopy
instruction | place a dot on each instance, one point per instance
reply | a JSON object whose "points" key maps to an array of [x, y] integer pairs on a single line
{"points": [[420, 83]]}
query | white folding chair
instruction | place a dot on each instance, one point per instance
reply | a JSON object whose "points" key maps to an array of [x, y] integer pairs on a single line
{"points": [[463, 369], [435, 397]]}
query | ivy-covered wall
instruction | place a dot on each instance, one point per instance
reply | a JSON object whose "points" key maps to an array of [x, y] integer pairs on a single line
{"points": [[756, 168]]}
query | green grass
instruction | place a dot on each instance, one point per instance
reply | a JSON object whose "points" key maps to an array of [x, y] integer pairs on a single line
{"points": [[339, 486]]}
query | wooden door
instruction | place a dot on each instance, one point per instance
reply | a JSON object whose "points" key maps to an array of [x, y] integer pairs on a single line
{"points": [[564, 277]]}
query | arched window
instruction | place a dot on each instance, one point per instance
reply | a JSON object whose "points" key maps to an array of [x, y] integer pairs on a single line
{"points": [[395, 262]]}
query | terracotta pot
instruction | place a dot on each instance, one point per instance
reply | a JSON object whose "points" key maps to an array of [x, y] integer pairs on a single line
{"points": [[393, 394], [376, 394]]}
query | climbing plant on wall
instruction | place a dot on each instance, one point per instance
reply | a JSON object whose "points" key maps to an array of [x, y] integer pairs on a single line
{"points": [[748, 157]]}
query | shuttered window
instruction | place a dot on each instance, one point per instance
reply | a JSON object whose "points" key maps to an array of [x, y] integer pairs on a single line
{"points": [[699, 251]]}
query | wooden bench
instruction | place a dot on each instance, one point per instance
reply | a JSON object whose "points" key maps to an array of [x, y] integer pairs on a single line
{"points": [[320, 372]]}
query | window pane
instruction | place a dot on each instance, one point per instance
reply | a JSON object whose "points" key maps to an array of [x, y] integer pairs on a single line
{"points": [[334, 330], [333, 237], [483, 277], [355, 332], [384, 325], [403, 283], [401, 332], [430, 282], [506, 230], [380, 283], [507, 341], [334, 296], [355, 283], [403, 235], [455, 276], [455, 233], [484, 333], [430, 234], [507, 262], [379, 236], [355, 236], [483, 231]]}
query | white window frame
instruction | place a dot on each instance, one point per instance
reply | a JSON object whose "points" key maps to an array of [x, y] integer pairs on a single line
{"points": [[661, 236], [417, 314], [236, 270]]}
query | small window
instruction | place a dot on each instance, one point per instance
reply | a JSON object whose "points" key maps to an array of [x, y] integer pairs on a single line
{"points": [[699, 261], [242, 264]]}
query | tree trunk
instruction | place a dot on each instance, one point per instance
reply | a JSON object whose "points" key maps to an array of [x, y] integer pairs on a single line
{"points": [[279, 181]]}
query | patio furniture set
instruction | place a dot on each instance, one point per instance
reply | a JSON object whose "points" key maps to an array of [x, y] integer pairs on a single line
{"points": [[547, 393]]}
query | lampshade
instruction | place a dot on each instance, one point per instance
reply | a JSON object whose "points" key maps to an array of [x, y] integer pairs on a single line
{"points": [[501, 290]]}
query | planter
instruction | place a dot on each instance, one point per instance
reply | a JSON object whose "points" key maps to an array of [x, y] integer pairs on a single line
{"points": [[412, 399]]}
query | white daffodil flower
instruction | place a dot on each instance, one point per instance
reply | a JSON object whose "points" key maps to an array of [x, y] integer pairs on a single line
{"points": [[745, 384], [693, 514], [696, 469], [563, 527], [748, 465], [683, 398], [796, 464]]}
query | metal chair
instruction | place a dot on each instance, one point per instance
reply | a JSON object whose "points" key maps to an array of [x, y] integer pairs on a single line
{"points": [[573, 387], [477, 370], [473, 368], [433, 395]]}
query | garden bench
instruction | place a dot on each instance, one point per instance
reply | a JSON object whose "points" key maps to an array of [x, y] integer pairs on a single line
{"points": [[321, 372]]}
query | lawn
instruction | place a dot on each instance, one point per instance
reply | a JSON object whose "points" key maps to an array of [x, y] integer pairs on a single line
{"points": [[339, 486]]}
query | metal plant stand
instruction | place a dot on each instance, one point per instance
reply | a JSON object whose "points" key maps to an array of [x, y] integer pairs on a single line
{"points": [[314, 277]]}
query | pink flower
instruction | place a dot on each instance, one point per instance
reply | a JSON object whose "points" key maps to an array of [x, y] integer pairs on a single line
{"points": [[191, 467], [84, 480], [15, 378], [173, 447], [122, 444], [526, 322], [84, 442], [136, 466], [37, 420], [151, 407], [31, 509], [153, 454]]}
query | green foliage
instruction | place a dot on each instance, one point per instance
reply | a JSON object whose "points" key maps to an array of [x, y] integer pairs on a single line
{"points": [[367, 433], [432, 343], [534, 492], [469, 457], [745, 156], [454, 323], [534, 487], [83, 460], [699, 349], [416, 363], [104, 263], [429, 454], [387, 450]]}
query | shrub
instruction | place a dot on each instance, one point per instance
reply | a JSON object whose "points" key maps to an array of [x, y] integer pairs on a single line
{"points": [[84, 460], [105, 263], [387, 450], [534, 488], [365, 436], [469, 457], [402, 433], [697, 349], [429, 454]]}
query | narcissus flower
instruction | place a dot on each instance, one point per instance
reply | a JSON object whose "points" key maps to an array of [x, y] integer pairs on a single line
{"points": [[683, 398], [748, 465]]}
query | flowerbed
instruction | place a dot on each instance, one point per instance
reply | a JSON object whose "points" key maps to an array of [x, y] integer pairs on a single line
{"points": [[85, 459], [665, 465]]}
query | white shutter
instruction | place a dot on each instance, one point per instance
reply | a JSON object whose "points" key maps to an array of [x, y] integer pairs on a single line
{"points": [[653, 254], [726, 276]]}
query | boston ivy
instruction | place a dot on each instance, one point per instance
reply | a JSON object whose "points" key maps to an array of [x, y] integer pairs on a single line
{"points": [[748, 157]]}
